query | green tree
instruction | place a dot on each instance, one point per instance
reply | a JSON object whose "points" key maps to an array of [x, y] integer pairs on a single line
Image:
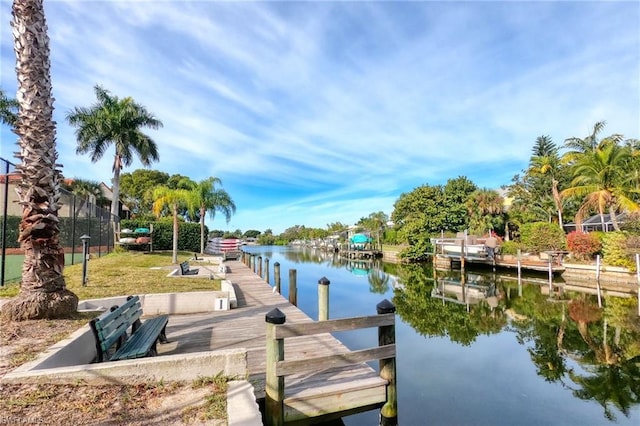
{"points": [[253, 233], [174, 199], [486, 211], [8, 109], [136, 189], [545, 162], [576, 147], [115, 121], [205, 197], [43, 292], [600, 177]]}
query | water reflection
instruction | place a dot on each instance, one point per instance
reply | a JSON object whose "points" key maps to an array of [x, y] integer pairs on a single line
{"points": [[591, 353]]}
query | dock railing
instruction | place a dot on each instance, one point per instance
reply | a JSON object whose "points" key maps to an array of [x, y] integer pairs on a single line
{"points": [[277, 368]]}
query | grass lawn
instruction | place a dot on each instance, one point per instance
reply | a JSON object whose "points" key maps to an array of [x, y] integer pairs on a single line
{"points": [[115, 274], [126, 273]]}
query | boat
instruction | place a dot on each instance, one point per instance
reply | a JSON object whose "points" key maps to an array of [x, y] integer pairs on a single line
{"points": [[229, 247]]}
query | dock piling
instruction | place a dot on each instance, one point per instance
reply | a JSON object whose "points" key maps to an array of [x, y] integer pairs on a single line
{"points": [[387, 336], [276, 276], [259, 266], [266, 268], [323, 299], [293, 287], [274, 384]]}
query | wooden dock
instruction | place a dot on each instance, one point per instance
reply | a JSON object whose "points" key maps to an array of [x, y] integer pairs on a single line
{"points": [[326, 394]]}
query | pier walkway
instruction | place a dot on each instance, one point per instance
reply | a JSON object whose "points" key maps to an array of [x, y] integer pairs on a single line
{"points": [[329, 393]]}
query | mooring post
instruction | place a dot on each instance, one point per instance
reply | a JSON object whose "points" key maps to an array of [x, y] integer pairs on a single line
{"points": [[260, 266], [274, 384], [550, 275], [293, 287], [638, 278], [387, 336], [266, 269], [252, 262], [276, 276], [598, 281], [323, 299], [462, 255], [519, 265]]}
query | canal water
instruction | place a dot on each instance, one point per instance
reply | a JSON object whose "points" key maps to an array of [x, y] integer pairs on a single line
{"points": [[490, 351]]}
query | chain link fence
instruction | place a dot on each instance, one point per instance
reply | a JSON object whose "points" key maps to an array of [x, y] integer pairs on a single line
{"points": [[78, 216]]}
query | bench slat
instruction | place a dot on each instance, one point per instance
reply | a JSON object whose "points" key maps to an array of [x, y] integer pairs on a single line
{"points": [[143, 339]]}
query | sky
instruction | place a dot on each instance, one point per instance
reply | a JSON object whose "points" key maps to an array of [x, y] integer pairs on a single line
{"points": [[319, 112]]}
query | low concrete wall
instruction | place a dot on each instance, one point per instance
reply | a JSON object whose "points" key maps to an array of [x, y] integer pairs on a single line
{"points": [[170, 303], [181, 367], [608, 274], [79, 348]]}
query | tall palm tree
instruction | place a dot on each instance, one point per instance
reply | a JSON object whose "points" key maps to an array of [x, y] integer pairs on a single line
{"points": [[115, 121], [174, 199], [578, 146], [43, 292], [205, 197], [545, 161], [8, 108], [600, 177]]}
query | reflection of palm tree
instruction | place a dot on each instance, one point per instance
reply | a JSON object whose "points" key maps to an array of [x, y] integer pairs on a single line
{"points": [[378, 281], [583, 313], [611, 385]]}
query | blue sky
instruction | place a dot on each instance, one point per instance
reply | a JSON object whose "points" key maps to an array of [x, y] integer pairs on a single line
{"points": [[318, 112]]}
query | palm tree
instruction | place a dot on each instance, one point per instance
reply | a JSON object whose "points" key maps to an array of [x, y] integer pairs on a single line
{"points": [[578, 146], [43, 292], [174, 199], [8, 108], [85, 190], [599, 177], [546, 161], [115, 121], [205, 197], [486, 210]]}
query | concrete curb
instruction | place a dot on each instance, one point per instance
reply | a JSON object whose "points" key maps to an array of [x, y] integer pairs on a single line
{"points": [[242, 409]]}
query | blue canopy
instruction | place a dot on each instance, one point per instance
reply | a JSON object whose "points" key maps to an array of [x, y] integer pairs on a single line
{"points": [[360, 238]]}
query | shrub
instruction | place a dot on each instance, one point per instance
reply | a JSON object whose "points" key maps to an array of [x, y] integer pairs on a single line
{"points": [[188, 233], [583, 245], [541, 236], [615, 252], [510, 247], [631, 223]]}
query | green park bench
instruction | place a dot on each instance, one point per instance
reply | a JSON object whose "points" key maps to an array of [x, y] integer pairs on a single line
{"points": [[114, 342]]}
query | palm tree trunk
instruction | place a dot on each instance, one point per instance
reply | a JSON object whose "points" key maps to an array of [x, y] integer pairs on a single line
{"points": [[614, 218], [43, 292], [202, 213], [115, 189], [557, 199], [175, 234]]}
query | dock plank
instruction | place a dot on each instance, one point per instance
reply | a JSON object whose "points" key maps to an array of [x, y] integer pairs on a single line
{"points": [[344, 388]]}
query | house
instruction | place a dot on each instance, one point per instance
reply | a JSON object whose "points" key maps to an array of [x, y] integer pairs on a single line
{"points": [[594, 223]]}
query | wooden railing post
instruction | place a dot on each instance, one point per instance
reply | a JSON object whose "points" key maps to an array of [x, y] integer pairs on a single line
{"points": [[276, 276], [293, 287], [323, 299], [387, 336], [274, 385], [260, 266], [266, 269]]}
